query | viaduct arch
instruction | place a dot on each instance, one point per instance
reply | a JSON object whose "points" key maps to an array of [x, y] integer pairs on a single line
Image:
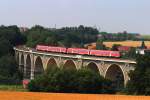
{"points": [[22, 64], [69, 64], [27, 68], [38, 67], [116, 74], [93, 66], [51, 64]]}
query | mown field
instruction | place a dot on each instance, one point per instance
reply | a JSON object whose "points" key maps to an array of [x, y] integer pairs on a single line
{"points": [[127, 43], [57, 96], [123, 43], [16, 92]]}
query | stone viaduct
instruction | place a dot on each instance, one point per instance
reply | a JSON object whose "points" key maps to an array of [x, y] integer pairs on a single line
{"points": [[33, 63]]}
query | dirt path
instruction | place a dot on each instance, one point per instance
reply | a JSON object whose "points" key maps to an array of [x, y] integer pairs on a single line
{"points": [[54, 96]]}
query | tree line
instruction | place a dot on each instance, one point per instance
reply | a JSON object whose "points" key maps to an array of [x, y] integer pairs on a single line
{"points": [[67, 36], [10, 36], [121, 36]]}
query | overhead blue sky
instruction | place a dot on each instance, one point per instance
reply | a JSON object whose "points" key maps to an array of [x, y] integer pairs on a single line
{"points": [[107, 15]]}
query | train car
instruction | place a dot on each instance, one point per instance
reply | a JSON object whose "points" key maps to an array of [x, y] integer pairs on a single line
{"points": [[105, 53], [56, 49], [100, 53], [78, 51], [41, 48], [63, 50], [115, 54]]}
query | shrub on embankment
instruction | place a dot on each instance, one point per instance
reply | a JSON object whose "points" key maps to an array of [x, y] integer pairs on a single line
{"points": [[71, 81]]}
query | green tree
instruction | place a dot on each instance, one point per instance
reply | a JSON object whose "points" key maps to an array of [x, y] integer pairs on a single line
{"points": [[115, 47], [37, 35], [131, 54], [143, 46], [5, 46], [9, 73], [100, 45], [12, 34], [9, 36], [139, 82]]}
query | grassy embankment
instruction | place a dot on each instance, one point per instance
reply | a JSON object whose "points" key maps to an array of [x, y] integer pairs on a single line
{"points": [[12, 88]]}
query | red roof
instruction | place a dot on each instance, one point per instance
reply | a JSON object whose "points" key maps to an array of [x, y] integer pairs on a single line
{"points": [[123, 48], [148, 48]]}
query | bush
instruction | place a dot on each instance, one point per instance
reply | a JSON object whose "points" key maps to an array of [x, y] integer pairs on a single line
{"points": [[9, 73], [71, 81]]}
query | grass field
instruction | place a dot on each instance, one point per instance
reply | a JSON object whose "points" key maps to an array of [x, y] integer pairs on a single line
{"points": [[146, 37]]}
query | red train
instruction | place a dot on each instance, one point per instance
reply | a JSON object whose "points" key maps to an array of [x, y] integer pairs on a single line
{"points": [[81, 51]]}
